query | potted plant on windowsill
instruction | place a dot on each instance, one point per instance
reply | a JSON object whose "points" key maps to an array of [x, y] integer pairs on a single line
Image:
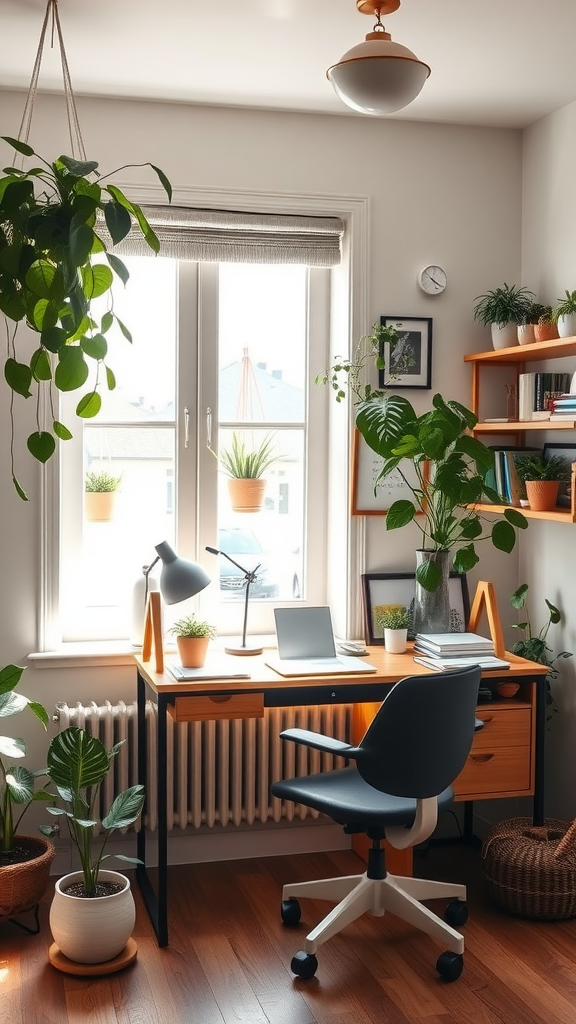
{"points": [[100, 489], [24, 860], [542, 478], [245, 467], [393, 621], [564, 315], [534, 646], [502, 309], [450, 468], [192, 639], [92, 914]]}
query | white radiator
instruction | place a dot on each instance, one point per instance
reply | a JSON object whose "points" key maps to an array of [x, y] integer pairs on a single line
{"points": [[221, 771]]}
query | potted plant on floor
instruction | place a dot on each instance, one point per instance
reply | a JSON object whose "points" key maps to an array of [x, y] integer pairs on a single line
{"points": [[450, 468], [192, 639], [100, 488], [245, 466], [502, 309], [92, 914], [58, 221], [564, 315], [24, 860], [393, 621], [534, 646], [542, 478]]}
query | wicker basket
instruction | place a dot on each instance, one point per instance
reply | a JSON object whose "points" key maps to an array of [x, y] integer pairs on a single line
{"points": [[531, 870], [22, 885]]}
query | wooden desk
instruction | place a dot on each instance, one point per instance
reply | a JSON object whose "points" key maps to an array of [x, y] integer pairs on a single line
{"points": [[507, 761]]}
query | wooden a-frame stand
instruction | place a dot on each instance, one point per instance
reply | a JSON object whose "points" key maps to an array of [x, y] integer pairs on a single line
{"points": [[485, 598], [153, 631]]}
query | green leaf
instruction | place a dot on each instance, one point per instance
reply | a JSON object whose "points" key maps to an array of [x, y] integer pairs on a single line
{"points": [[555, 615], [81, 241], [465, 558], [20, 147], [20, 783], [399, 514], [45, 314], [40, 365], [72, 370], [77, 760], [41, 445], [96, 280], [110, 379], [18, 377], [10, 676], [40, 711], [53, 338], [19, 489], [96, 347], [61, 431], [429, 574], [124, 329], [118, 267], [80, 168], [118, 221], [89, 406], [12, 747], [40, 277], [125, 809], [150, 236], [518, 599], [164, 181], [513, 516], [107, 321], [503, 536]]}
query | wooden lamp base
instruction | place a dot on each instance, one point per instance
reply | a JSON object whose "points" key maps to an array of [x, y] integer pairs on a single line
{"points": [[153, 631]]}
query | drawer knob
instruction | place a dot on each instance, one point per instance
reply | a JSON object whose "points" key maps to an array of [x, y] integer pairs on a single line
{"points": [[481, 758]]}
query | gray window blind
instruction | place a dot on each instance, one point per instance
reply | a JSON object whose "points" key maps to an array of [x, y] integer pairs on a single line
{"points": [[223, 236]]}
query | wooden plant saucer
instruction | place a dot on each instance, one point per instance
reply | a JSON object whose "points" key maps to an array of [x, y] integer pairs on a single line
{"points": [[62, 963]]}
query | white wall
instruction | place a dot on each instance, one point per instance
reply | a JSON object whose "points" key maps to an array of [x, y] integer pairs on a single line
{"points": [[438, 193]]}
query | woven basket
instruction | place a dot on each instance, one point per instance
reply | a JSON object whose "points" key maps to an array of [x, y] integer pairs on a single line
{"points": [[22, 885], [531, 870]]}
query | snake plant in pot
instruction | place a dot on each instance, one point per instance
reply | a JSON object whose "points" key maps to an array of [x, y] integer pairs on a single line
{"points": [[442, 464], [58, 222], [93, 913]]}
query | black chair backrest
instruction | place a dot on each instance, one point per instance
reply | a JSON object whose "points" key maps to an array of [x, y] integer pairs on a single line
{"points": [[419, 740]]}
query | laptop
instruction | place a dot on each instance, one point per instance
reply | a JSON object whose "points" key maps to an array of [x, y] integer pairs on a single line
{"points": [[306, 645]]}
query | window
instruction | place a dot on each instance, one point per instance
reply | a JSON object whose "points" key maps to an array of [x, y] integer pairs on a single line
{"points": [[218, 350]]}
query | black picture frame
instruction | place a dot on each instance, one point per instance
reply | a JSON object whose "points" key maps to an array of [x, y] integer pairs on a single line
{"points": [[569, 453], [399, 588], [410, 365]]}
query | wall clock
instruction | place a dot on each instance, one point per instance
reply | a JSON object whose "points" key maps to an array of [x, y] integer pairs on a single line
{"points": [[432, 280]]}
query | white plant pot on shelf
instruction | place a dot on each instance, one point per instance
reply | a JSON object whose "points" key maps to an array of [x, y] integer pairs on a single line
{"points": [[504, 335], [567, 326], [92, 930]]}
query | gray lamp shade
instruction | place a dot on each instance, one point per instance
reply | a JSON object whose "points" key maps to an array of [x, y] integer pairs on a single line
{"points": [[378, 76], [180, 578]]}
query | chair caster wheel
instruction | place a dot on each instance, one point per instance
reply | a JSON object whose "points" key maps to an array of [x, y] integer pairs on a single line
{"points": [[290, 912], [449, 965], [304, 965], [456, 913]]}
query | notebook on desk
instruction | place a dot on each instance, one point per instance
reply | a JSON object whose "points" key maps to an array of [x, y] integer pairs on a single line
{"points": [[306, 645]]}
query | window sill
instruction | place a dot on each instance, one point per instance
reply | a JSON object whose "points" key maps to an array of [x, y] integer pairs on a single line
{"points": [[107, 653]]}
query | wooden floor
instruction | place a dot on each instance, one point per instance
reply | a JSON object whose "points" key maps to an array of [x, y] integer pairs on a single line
{"points": [[229, 959]]}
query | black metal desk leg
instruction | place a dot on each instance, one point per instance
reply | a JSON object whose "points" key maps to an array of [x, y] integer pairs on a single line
{"points": [[539, 752], [162, 930]]}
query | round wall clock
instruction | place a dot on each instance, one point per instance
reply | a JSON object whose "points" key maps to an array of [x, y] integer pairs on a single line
{"points": [[432, 280]]}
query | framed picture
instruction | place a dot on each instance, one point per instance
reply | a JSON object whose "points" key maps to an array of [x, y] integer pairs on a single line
{"points": [[409, 364], [366, 465], [385, 588], [568, 452]]}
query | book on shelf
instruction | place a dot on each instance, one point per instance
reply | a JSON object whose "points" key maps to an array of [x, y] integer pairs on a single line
{"points": [[537, 391], [445, 664], [504, 477], [453, 643]]}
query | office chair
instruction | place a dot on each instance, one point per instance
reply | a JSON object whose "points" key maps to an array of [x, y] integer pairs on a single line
{"points": [[415, 747]]}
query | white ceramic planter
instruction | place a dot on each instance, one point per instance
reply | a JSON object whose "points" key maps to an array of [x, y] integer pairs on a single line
{"points": [[567, 326], [504, 336], [395, 640], [526, 334], [91, 931]]}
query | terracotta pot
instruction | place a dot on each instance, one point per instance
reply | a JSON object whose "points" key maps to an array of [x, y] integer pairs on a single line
{"points": [[23, 884], [246, 495], [542, 494], [545, 332], [99, 506], [508, 689], [192, 650], [91, 931]]}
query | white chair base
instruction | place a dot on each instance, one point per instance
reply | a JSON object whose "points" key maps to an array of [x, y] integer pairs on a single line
{"points": [[358, 894]]}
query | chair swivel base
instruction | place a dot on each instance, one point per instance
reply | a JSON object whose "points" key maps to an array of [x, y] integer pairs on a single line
{"points": [[359, 894]]}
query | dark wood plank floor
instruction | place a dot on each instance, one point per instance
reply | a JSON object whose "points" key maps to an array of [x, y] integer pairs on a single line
{"points": [[229, 959]]}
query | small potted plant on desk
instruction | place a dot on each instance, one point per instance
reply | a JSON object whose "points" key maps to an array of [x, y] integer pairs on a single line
{"points": [[394, 621], [192, 637], [92, 914], [100, 487], [24, 860], [542, 478]]}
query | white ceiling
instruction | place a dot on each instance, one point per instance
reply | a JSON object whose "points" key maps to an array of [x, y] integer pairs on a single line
{"points": [[498, 62]]}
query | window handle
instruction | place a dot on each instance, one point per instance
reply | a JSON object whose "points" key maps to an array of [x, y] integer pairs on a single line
{"points": [[208, 427], [186, 428]]}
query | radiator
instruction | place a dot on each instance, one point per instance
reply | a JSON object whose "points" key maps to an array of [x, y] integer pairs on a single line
{"points": [[218, 772]]}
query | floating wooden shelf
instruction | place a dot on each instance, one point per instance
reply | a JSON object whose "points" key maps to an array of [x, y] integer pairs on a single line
{"points": [[557, 515], [522, 425], [554, 349]]}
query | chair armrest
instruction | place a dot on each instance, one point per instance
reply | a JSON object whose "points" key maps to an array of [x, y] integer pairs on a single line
{"points": [[318, 741]]}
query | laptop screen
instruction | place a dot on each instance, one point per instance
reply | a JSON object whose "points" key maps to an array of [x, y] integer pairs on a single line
{"points": [[305, 632]]}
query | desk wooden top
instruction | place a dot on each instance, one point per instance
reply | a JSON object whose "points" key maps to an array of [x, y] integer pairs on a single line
{"points": [[389, 669]]}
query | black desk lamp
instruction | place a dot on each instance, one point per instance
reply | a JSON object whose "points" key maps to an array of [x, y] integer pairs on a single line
{"points": [[249, 577], [179, 580]]}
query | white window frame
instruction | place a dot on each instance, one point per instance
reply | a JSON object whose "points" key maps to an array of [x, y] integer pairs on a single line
{"points": [[349, 321]]}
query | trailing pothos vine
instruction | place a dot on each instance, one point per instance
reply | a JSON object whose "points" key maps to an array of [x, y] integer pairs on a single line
{"points": [[51, 270]]}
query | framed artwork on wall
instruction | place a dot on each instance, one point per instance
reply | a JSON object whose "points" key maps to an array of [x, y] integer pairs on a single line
{"points": [[568, 452], [366, 465], [389, 588], [409, 365]]}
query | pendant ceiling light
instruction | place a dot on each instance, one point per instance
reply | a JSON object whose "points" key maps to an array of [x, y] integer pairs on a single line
{"points": [[378, 76]]}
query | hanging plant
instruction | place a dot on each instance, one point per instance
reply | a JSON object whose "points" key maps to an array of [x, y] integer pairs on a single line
{"points": [[51, 271]]}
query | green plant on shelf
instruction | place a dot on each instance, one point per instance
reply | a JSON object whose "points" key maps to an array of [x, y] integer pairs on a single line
{"points": [[503, 305], [536, 467]]}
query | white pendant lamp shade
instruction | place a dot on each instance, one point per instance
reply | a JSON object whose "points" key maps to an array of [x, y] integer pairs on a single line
{"points": [[378, 76]]}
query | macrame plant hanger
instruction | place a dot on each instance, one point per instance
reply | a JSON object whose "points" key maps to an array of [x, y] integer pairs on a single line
{"points": [[76, 141]]}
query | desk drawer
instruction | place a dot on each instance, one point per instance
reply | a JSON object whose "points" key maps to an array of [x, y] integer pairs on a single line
{"points": [[504, 727], [494, 772], [202, 709]]}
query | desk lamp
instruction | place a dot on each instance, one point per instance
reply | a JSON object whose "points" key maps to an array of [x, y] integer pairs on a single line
{"points": [[179, 580], [249, 577]]}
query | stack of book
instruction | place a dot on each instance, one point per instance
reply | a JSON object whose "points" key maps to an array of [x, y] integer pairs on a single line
{"points": [[536, 392], [441, 651], [564, 407]]}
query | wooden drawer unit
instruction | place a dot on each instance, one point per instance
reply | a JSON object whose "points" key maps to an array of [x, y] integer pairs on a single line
{"points": [[500, 761], [208, 709]]}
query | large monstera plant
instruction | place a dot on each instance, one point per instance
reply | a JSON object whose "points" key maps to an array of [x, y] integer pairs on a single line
{"points": [[54, 263]]}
